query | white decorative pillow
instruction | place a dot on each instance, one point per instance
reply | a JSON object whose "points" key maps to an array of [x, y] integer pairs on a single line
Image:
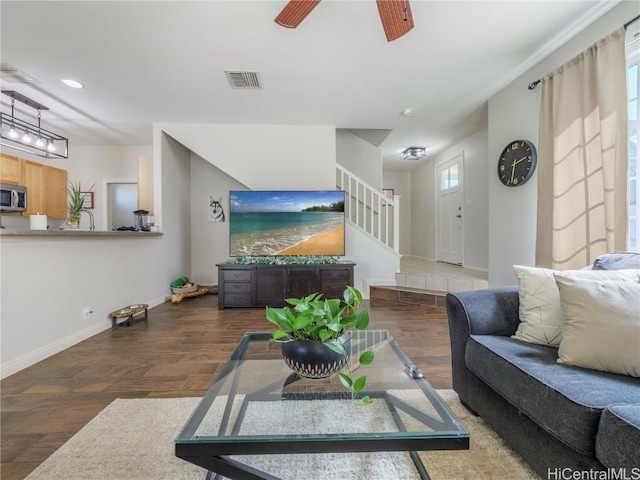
{"points": [[541, 319], [602, 324]]}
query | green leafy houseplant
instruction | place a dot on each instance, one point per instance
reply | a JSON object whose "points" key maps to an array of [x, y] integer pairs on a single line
{"points": [[327, 321], [75, 204]]}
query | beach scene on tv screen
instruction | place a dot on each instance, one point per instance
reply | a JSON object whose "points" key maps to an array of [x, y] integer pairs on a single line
{"points": [[264, 223]]}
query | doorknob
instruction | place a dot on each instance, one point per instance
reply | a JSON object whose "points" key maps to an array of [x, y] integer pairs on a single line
{"points": [[458, 216]]}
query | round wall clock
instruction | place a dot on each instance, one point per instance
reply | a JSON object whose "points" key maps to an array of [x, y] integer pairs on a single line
{"points": [[517, 163]]}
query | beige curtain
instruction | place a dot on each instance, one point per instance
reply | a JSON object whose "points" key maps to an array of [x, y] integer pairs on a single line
{"points": [[582, 158]]}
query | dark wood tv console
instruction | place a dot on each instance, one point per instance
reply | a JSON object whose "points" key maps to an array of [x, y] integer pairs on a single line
{"points": [[268, 285]]}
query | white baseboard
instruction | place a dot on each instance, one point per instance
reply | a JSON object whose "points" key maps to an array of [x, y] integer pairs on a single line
{"points": [[471, 267], [42, 353]]}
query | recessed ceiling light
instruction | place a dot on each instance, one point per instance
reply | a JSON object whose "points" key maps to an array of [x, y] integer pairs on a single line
{"points": [[407, 112], [69, 82]]}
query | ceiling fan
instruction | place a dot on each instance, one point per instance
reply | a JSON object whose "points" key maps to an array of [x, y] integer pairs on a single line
{"points": [[395, 15]]}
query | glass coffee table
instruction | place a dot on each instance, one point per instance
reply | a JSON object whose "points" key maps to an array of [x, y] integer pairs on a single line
{"points": [[258, 416]]}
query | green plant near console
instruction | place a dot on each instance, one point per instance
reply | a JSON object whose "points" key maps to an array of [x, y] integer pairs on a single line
{"points": [[326, 321]]}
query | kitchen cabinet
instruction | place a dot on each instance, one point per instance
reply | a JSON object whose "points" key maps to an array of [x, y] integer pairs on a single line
{"points": [[269, 285], [33, 179], [10, 169], [46, 189], [55, 181], [46, 185]]}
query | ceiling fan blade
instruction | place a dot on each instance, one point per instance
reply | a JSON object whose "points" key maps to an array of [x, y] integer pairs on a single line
{"points": [[295, 12], [396, 17]]}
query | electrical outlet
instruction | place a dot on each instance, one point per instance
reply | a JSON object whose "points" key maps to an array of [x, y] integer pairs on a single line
{"points": [[86, 313]]}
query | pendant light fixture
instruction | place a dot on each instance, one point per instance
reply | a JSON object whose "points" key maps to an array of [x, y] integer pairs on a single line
{"points": [[20, 134]]}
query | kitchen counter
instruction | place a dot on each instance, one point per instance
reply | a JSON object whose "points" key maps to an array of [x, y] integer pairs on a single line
{"points": [[76, 233]]}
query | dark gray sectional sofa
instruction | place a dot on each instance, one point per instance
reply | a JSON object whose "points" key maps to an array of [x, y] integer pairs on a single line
{"points": [[555, 416]]}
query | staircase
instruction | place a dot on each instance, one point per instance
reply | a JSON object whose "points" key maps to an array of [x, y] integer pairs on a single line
{"points": [[370, 210]]}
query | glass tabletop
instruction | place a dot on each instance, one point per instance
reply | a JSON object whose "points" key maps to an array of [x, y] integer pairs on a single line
{"points": [[258, 405]]}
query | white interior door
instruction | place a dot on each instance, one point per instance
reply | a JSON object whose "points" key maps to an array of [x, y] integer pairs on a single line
{"points": [[450, 200]]}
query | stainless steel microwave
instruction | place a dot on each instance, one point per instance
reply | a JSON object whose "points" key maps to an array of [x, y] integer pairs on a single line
{"points": [[13, 198]]}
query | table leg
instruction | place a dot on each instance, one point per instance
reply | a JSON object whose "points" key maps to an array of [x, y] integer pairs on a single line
{"points": [[229, 468]]}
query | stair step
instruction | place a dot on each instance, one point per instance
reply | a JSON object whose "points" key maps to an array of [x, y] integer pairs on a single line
{"points": [[407, 295]]}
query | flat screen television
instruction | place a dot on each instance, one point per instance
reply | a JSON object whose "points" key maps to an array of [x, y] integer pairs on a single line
{"points": [[284, 222]]}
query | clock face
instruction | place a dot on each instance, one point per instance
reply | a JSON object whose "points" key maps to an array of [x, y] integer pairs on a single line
{"points": [[517, 163]]}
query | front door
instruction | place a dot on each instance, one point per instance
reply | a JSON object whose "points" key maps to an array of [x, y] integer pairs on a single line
{"points": [[449, 211]]}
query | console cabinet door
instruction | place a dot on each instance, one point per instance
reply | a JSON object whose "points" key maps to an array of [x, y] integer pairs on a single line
{"points": [[269, 286], [302, 282]]}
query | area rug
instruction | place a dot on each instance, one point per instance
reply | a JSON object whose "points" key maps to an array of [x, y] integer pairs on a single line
{"points": [[133, 440]]}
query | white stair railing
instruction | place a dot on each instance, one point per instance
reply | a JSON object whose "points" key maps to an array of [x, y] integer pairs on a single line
{"points": [[369, 209]]}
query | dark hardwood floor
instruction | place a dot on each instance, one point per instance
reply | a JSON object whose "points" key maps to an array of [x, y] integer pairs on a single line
{"points": [[177, 354]]}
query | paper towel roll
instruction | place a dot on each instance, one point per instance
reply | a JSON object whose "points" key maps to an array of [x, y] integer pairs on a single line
{"points": [[38, 222]]}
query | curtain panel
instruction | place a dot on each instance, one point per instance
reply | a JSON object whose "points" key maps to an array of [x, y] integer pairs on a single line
{"points": [[582, 158]]}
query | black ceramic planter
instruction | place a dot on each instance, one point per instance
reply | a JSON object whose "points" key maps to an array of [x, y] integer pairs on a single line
{"points": [[312, 359]]}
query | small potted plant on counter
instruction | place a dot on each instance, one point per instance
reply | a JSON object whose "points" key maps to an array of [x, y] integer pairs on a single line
{"points": [[315, 334], [75, 205]]}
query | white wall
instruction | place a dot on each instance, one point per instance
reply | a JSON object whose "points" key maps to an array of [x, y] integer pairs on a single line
{"points": [[400, 182], [514, 114], [265, 157], [375, 263], [45, 282], [209, 240], [174, 185], [359, 157], [476, 209]]}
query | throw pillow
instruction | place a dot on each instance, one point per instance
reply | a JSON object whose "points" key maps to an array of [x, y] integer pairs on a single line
{"points": [[541, 319], [602, 324], [617, 261]]}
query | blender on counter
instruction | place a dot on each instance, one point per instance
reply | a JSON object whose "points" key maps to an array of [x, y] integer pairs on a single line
{"points": [[143, 221]]}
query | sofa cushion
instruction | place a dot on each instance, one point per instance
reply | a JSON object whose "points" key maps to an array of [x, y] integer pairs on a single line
{"points": [[564, 400], [617, 261], [541, 319], [619, 437], [602, 324]]}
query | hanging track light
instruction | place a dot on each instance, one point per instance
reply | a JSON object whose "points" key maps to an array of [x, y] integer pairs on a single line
{"points": [[48, 144]]}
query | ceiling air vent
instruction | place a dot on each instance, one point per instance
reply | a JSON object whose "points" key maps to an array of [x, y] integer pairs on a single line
{"points": [[13, 75], [250, 80]]}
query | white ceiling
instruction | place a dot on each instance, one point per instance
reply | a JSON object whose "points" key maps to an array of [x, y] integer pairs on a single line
{"points": [[163, 61]]}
